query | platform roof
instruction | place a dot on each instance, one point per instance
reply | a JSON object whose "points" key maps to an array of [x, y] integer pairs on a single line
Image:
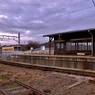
{"points": [[86, 33]]}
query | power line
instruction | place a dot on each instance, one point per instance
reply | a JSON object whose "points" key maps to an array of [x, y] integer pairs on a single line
{"points": [[70, 12], [61, 10], [74, 11], [82, 9], [58, 11]]}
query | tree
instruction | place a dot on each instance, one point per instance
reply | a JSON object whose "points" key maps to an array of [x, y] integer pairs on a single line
{"points": [[33, 44]]}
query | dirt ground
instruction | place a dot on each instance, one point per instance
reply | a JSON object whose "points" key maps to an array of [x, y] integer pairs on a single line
{"points": [[53, 83]]}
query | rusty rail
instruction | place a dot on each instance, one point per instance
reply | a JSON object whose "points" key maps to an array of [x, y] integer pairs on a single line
{"points": [[3, 92], [38, 92], [92, 81]]}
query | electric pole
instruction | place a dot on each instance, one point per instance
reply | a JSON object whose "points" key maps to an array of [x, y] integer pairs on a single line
{"points": [[18, 38]]}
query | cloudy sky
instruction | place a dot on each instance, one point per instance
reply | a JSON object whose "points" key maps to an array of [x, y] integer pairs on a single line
{"points": [[35, 18]]}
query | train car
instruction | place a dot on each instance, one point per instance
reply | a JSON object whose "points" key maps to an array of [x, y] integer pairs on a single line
{"points": [[11, 49]]}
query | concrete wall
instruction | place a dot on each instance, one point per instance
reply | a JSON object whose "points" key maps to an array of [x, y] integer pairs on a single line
{"points": [[45, 52], [59, 61]]}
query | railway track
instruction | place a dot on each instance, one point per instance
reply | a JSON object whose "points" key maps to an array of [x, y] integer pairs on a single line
{"points": [[82, 72], [3, 92], [24, 87], [21, 87]]}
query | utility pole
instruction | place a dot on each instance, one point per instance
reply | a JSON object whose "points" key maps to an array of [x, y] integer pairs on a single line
{"points": [[15, 38], [0, 48], [18, 38]]}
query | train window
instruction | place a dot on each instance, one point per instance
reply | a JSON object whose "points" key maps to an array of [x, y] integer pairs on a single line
{"points": [[17, 48]]}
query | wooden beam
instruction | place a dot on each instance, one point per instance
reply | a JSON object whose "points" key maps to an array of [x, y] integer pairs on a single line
{"points": [[59, 40], [81, 39]]}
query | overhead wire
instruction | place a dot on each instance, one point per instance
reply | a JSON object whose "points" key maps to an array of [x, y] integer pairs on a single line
{"points": [[71, 12], [62, 9], [68, 13], [41, 17], [56, 12]]}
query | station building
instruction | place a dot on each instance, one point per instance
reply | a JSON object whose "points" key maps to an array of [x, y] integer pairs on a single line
{"points": [[77, 42]]}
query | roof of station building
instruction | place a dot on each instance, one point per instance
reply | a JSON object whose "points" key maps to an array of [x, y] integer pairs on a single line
{"points": [[85, 33]]}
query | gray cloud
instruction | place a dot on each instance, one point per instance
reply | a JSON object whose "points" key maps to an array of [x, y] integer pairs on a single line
{"points": [[32, 18]]}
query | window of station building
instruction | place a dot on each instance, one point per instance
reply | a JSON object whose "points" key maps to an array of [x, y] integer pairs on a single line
{"points": [[89, 45], [79, 46], [61, 46], [72, 46], [68, 46], [57, 45], [84, 45]]}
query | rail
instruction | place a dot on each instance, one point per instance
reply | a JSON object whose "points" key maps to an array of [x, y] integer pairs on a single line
{"points": [[82, 72], [38, 92], [35, 91], [3, 92]]}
